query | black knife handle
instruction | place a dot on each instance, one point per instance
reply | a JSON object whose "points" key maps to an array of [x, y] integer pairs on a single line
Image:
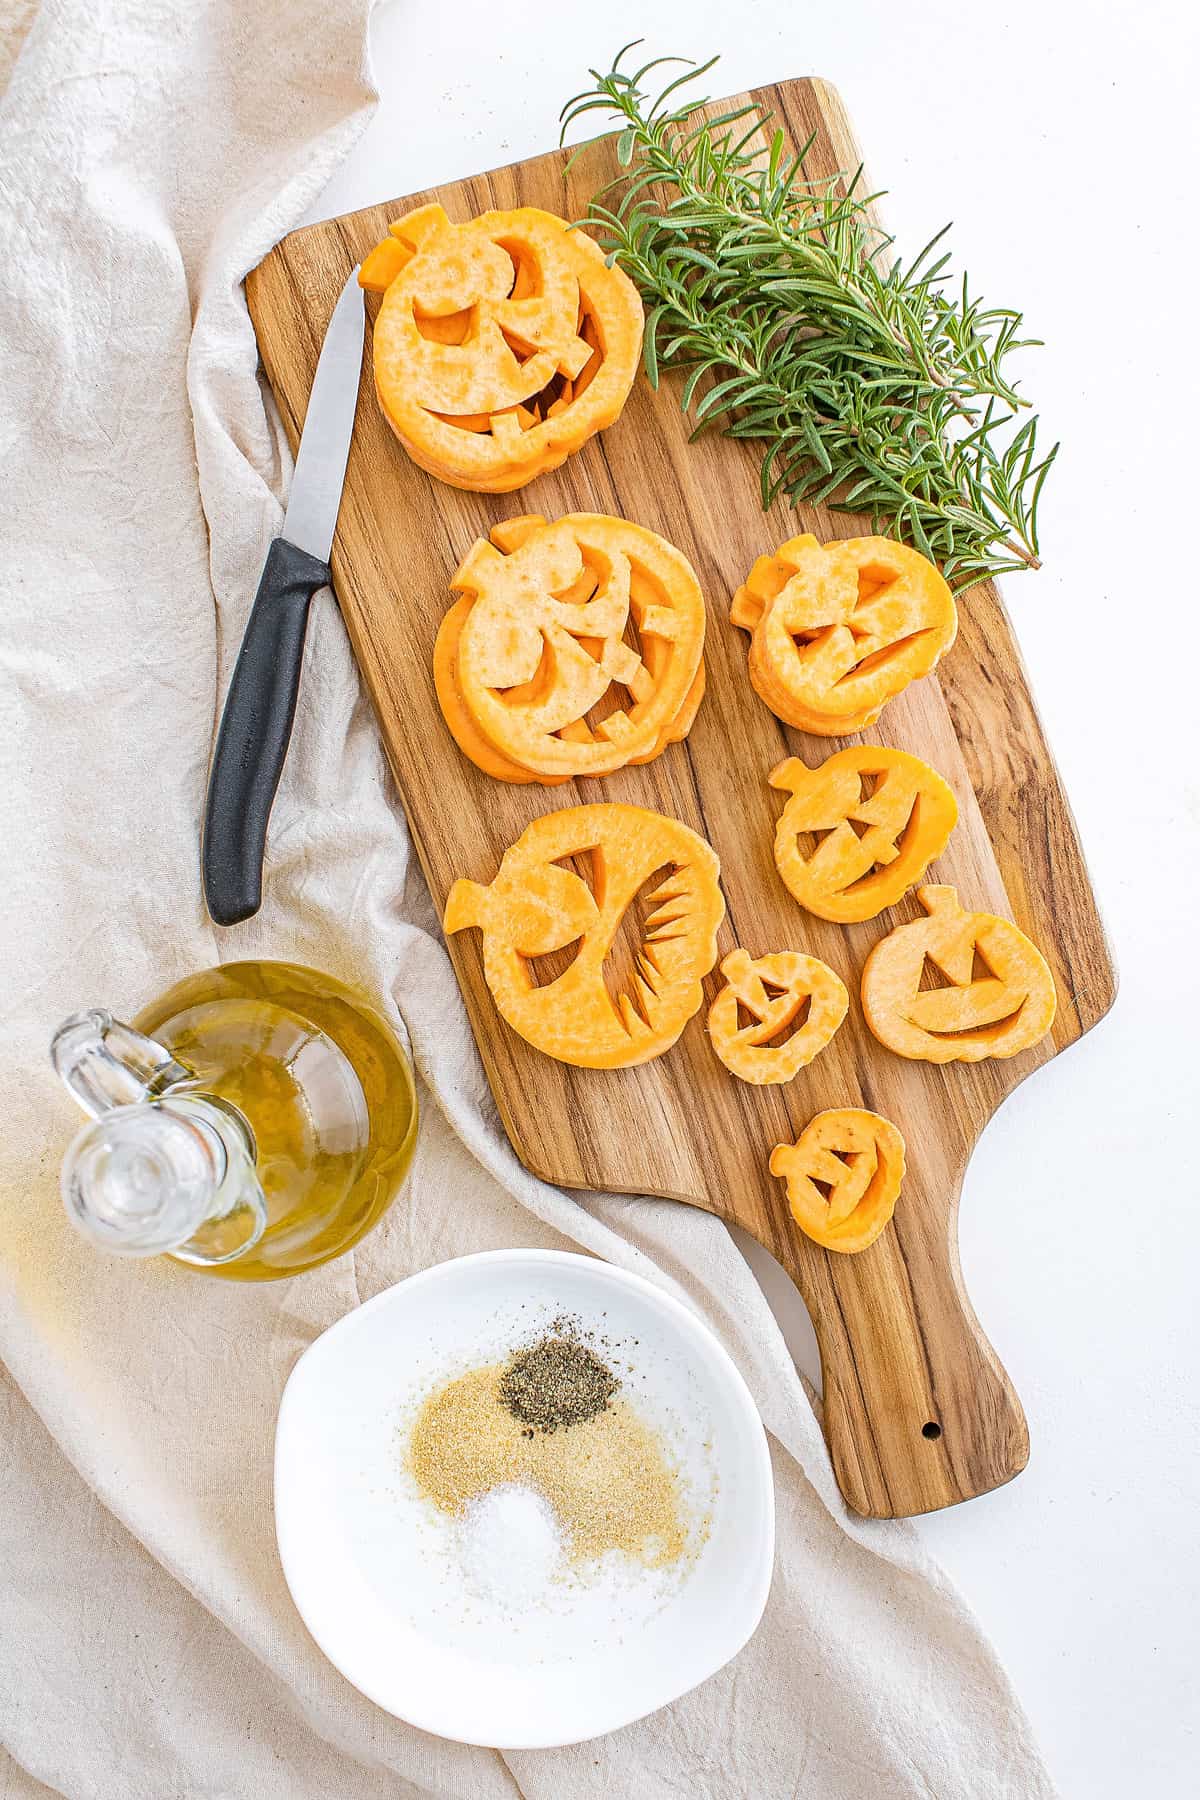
{"points": [[256, 726]]}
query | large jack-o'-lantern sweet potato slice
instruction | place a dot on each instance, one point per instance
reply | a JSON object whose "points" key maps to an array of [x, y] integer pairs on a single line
{"points": [[774, 990], [556, 621], [843, 1177], [880, 816], [539, 904], [501, 344], [836, 630], [957, 986]]}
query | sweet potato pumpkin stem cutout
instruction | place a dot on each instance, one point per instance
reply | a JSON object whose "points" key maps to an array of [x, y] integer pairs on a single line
{"points": [[542, 636], [536, 906], [501, 344], [881, 816], [773, 990], [991, 993], [836, 630], [843, 1177]]}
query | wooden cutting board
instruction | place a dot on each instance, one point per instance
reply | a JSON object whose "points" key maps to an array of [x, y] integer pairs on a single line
{"points": [[918, 1409]]}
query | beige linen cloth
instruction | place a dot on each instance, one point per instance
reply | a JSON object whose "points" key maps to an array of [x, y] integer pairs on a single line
{"points": [[150, 152]]}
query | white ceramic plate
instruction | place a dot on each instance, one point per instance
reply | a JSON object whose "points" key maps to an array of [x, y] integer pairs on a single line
{"points": [[377, 1572]]}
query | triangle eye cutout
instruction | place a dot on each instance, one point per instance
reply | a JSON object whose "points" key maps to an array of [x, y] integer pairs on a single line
{"points": [[933, 978], [589, 866], [522, 351], [872, 582], [981, 969], [545, 970], [809, 842]]}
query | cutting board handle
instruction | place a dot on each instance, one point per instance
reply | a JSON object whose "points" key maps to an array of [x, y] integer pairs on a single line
{"points": [[919, 1412]]}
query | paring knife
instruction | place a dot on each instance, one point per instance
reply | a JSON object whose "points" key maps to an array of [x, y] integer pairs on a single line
{"points": [[256, 724]]}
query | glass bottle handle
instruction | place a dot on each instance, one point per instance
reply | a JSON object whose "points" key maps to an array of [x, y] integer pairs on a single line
{"points": [[105, 1064]]}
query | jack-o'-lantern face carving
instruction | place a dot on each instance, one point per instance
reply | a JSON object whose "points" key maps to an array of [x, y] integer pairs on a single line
{"points": [[539, 904], [860, 830], [792, 1005], [838, 629], [957, 986], [577, 648], [843, 1177], [501, 345]]}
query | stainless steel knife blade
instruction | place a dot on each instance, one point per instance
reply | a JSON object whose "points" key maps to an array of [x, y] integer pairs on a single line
{"points": [[328, 424]]}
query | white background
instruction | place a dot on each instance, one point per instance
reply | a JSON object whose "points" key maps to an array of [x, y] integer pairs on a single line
{"points": [[1060, 139]]}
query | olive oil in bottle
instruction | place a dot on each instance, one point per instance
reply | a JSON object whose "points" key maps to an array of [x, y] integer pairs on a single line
{"points": [[255, 1121]]}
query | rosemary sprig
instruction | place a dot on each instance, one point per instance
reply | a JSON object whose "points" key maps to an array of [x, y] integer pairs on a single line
{"points": [[875, 386]]}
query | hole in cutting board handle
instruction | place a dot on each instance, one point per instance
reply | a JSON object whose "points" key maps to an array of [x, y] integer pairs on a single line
{"points": [[931, 1430]]}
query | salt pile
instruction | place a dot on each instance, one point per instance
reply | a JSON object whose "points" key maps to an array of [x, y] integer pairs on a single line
{"points": [[510, 1545]]}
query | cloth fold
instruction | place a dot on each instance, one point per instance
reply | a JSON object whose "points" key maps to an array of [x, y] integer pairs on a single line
{"points": [[153, 150]]}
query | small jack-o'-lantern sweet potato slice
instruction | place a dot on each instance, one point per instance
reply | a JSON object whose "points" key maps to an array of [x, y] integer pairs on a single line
{"points": [[880, 817], [843, 1177], [774, 992], [957, 986]]}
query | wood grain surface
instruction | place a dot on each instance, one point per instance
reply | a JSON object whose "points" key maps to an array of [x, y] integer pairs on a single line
{"points": [[918, 1409]]}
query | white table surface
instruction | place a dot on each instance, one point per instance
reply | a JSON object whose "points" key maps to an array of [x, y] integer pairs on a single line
{"points": [[1060, 139]]}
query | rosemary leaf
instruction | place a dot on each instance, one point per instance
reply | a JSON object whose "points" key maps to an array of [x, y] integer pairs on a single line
{"points": [[873, 385]]}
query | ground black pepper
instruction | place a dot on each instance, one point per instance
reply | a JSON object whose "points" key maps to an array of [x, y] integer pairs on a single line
{"points": [[559, 1382]]}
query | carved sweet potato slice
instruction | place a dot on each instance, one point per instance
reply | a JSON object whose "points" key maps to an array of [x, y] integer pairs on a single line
{"points": [[538, 903], [501, 345], [880, 816], [578, 648], [843, 1177], [774, 1043], [957, 986], [838, 629]]}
